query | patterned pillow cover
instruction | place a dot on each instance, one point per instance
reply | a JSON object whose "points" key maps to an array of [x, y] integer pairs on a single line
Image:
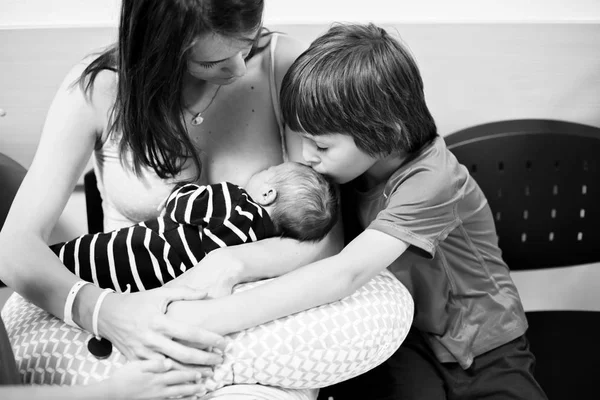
{"points": [[311, 349]]}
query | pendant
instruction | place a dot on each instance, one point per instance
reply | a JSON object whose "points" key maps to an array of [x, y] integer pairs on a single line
{"points": [[101, 349], [198, 119]]}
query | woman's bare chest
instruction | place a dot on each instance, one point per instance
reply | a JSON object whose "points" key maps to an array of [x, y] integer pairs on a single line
{"points": [[240, 134]]}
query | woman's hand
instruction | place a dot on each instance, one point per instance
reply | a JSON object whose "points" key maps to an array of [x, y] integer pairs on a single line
{"points": [[216, 274], [154, 380], [137, 324]]}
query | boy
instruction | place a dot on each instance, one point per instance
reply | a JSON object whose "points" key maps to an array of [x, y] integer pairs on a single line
{"points": [[289, 200], [424, 217]]}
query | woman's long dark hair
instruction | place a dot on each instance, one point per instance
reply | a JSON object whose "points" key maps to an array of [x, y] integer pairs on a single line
{"points": [[150, 59]]}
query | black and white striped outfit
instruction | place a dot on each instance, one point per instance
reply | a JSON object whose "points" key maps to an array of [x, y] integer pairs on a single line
{"points": [[195, 221]]}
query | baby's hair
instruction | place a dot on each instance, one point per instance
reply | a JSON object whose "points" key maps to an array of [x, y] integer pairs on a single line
{"points": [[306, 207], [359, 80]]}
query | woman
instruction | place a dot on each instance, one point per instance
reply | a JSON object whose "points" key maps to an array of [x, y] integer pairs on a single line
{"points": [[189, 92]]}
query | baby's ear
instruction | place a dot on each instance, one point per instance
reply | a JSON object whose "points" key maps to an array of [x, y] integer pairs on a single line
{"points": [[267, 197]]}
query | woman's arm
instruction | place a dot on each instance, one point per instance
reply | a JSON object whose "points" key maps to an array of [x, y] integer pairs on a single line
{"points": [[66, 144], [221, 269], [318, 283], [135, 323], [146, 380]]}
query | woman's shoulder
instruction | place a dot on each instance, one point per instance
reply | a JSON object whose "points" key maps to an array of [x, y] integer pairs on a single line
{"points": [[104, 83], [105, 80], [80, 110], [97, 91], [287, 49]]}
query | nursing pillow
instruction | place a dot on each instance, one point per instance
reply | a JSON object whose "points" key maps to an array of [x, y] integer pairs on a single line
{"points": [[311, 349]]}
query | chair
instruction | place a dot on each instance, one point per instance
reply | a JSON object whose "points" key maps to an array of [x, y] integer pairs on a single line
{"points": [[93, 203], [11, 176], [542, 181], [9, 374]]}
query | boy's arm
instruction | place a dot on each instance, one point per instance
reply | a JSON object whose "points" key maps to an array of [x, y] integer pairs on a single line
{"points": [[223, 268], [272, 257], [318, 283]]}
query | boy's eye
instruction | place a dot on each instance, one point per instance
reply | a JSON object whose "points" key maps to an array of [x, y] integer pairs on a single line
{"points": [[319, 148]]}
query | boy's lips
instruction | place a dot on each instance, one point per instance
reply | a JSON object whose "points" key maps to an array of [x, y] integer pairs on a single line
{"points": [[315, 167]]}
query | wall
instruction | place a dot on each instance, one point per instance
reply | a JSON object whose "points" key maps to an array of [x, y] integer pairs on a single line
{"points": [[473, 72], [39, 13]]}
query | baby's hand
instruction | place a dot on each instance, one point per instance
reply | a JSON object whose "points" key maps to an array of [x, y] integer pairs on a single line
{"points": [[154, 380]]}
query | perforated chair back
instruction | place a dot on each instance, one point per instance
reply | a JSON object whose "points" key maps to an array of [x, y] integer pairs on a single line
{"points": [[542, 181]]}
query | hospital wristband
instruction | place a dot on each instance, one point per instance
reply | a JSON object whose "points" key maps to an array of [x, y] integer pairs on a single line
{"points": [[97, 311], [68, 312]]}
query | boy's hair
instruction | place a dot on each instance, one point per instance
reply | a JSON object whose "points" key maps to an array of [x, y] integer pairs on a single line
{"points": [[306, 207], [360, 81]]}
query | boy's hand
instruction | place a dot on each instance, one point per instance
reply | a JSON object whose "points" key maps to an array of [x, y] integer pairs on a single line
{"points": [[216, 274]]}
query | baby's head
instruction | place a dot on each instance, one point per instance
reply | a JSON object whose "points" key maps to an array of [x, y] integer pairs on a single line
{"points": [[302, 203]]}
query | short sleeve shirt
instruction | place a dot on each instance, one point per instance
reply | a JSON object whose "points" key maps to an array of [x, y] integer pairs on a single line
{"points": [[465, 300]]}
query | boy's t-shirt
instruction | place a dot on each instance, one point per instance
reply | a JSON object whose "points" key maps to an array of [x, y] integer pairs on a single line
{"points": [[465, 300]]}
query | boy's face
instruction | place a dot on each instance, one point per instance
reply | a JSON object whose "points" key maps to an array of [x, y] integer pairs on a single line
{"points": [[336, 155]]}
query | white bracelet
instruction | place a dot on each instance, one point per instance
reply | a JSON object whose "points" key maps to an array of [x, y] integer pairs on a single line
{"points": [[68, 312], [97, 311]]}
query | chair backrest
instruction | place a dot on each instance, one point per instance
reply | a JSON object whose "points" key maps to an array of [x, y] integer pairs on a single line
{"points": [[9, 374], [93, 203], [542, 180], [11, 176]]}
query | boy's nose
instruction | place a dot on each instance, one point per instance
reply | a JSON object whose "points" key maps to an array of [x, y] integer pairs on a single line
{"points": [[309, 155]]}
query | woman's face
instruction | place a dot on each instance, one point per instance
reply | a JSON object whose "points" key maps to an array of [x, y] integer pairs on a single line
{"points": [[218, 59]]}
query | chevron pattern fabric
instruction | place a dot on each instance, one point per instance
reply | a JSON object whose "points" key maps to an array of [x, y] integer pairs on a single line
{"points": [[311, 349]]}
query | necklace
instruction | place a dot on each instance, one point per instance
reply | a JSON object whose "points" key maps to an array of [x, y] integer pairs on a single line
{"points": [[197, 118]]}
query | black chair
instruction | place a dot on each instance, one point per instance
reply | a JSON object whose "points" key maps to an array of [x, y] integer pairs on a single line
{"points": [[93, 203], [11, 176], [542, 181], [9, 373]]}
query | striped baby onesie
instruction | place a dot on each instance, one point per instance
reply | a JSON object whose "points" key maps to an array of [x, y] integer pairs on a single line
{"points": [[196, 220]]}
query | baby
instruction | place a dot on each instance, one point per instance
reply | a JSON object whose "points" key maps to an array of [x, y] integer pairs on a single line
{"points": [[287, 200]]}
